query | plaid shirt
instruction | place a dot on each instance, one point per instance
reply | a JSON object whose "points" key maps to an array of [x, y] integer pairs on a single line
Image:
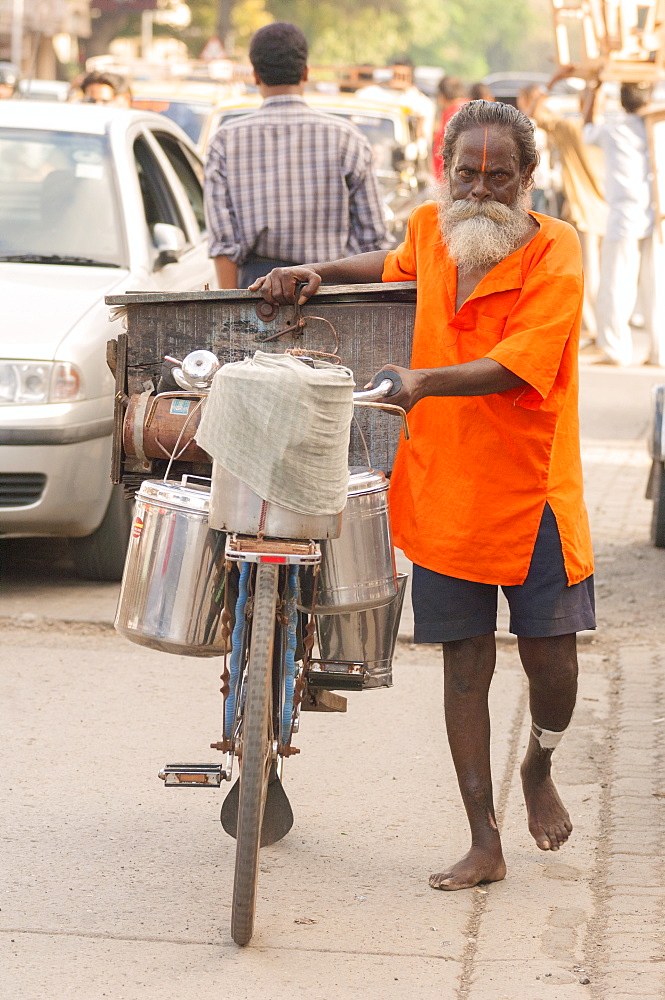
{"points": [[291, 183]]}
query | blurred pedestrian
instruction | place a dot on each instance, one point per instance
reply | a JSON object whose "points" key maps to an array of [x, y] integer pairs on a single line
{"points": [[630, 254], [450, 98], [10, 78], [583, 204], [399, 88], [288, 182], [101, 87], [480, 92]]}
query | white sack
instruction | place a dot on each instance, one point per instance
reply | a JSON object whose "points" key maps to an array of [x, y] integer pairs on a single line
{"points": [[283, 429]]}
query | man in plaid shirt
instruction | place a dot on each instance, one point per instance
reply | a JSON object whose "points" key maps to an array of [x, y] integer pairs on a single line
{"points": [[288, 183]]}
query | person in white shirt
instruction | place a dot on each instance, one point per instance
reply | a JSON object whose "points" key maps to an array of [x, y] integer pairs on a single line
{"points": [[628, 266], [399, 88]]}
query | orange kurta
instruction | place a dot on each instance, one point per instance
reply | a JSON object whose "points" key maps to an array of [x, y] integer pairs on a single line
{"points": [[468, 490]]}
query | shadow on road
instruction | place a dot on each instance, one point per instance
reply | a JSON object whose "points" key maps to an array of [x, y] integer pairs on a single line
{"points": [[35, 559]]}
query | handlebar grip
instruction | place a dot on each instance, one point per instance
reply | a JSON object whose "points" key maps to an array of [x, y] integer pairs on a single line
{"points": [[391, 376]]}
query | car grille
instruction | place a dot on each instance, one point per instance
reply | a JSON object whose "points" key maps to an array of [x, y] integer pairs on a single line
{"points": [[20, 489]]}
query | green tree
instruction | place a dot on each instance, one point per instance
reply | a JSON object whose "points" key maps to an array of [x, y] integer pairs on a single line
{"points": [[232, 21], [466, 37], [202, 27], [346, 31], [247, 17]]}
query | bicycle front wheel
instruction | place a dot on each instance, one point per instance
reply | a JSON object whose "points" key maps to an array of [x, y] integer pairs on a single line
{"points": [[257, 736]]}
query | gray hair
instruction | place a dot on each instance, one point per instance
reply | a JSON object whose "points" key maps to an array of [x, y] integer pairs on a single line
{"points": [[486, 114]]}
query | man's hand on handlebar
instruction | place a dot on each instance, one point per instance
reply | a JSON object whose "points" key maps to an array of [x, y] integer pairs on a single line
{"points": [[411, 390], [278, 287]]}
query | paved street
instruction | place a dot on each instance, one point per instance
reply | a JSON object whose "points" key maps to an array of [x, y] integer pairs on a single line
{"points": [[114, 887]]}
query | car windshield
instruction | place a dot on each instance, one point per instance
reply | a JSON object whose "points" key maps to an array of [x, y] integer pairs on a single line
{"points": [[190, 116], [57, 199]]}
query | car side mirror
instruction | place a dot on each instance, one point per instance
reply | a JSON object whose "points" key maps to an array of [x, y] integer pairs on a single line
{"points": [[169, 243]]}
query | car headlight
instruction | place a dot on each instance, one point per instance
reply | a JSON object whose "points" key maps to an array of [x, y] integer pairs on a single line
{"points": [[30, 382]]}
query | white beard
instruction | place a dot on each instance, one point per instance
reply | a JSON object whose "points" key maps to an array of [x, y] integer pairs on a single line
{"points": [[482, 233]]}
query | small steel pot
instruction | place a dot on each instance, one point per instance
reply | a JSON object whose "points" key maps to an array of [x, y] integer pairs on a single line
{"points": [[171, 594], [358, 568], [234, 507], [366, 637]]}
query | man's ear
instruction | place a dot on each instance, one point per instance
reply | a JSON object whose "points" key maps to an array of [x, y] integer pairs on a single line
{"points": [[305, 75], [257, 78]]}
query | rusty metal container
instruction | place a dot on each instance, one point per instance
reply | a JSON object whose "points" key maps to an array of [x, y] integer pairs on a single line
{"points": [[373, 325], [155, 425]]}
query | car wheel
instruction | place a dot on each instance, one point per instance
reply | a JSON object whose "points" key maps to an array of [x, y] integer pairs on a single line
{"points": [[658, 497], [101, 555]]}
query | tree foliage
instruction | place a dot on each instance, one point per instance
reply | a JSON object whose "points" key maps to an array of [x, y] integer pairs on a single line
{"points": [[465, 37]]}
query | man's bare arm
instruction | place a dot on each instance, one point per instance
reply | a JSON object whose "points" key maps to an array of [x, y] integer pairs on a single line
{"points": [[279, 286], [227, 272], [474, 378]]}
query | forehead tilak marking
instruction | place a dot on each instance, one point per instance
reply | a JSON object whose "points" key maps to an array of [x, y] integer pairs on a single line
{"points": [[512, 153]]}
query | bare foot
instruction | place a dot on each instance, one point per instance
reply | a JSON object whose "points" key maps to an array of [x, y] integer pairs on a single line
{"points": [[479, 865], [549, 822]]}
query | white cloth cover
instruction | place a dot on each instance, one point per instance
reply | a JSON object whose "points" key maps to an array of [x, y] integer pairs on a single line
{"points": [[283, 428]]}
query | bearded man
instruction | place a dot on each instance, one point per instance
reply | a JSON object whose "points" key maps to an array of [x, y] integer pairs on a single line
{"points": [[488, 491]]}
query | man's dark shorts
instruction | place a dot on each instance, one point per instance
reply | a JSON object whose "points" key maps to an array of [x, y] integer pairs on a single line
{"points": [[447, 609]]}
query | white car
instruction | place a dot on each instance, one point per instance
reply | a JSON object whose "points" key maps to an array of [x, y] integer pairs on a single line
{"points": [[93, 201]]}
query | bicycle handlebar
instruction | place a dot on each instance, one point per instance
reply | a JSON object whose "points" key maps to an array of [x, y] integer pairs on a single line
{"points": [[387, 383]]}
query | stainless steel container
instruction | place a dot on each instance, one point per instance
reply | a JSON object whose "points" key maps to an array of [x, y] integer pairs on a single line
{"points": [[358, 568], [367, 637], [172, 588], [234, 507]]}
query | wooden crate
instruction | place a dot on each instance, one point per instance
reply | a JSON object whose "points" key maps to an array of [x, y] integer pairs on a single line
{"points": [[373, 323], [619, 40]]}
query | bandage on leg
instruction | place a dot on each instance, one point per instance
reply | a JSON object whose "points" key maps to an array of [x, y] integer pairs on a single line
{"points": [[547, 738]]}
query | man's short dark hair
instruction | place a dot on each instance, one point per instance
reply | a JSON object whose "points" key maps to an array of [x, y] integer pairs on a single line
{"points": [[492, 114], [117, 83], [278, 54], [480, 92], [451, 88], [634, 96]]}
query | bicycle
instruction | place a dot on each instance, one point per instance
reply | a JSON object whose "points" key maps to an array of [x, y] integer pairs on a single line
{"points": [[267, 635]]}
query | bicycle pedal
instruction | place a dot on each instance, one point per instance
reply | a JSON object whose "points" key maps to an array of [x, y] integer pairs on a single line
{"points": [[192, 775], [336, 675]]}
